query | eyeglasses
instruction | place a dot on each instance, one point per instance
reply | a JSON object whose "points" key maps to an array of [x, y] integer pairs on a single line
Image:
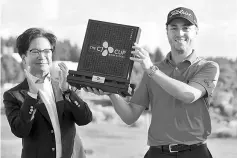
{"points": [[44, 51]]}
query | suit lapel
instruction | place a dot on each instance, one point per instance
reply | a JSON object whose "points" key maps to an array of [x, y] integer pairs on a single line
{"points": [[58, 98], [40, 105]]}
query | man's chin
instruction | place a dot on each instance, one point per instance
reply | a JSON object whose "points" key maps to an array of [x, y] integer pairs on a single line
{"points": [[44, 69], [180, 50], [43, 66]]}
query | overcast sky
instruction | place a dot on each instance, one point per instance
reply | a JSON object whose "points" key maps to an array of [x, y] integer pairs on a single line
{"points": [[68, 19]]}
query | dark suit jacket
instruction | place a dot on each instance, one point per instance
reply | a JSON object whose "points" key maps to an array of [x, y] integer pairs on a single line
{"points": [[37, 134]]}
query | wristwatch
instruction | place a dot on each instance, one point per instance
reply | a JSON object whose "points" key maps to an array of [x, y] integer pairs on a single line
{"points": [[153, 69]]}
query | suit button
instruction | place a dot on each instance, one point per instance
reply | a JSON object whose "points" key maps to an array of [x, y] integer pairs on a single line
{"points": [[53, 149], [51, 131]]}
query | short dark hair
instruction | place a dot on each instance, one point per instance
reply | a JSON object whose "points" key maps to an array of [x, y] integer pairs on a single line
{"points": [[23, 41]]}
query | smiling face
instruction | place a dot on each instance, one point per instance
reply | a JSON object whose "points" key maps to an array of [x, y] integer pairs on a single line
{"points": [[181, 34], [39, 63]]}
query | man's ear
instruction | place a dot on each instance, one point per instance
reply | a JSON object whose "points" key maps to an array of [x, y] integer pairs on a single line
{"points": [[197, 30], [166, 28], [23, 58]]}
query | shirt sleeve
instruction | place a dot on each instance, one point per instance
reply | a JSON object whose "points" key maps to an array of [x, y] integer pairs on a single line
{"points": [[141, 96], [207, 76]]}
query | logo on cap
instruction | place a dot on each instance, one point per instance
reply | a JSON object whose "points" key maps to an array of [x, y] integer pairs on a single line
{"points": [[180, 11]]}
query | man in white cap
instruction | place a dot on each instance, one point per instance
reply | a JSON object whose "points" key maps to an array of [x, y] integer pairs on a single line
{"points": [[177, 90]]}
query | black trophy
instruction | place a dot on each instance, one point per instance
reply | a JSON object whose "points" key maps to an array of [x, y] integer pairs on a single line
{"points": [[104, 61]]}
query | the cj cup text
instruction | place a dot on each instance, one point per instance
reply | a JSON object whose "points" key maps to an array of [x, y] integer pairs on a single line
{"points": [[107, 50]]}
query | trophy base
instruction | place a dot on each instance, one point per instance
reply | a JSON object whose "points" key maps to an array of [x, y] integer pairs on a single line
{"points": [[110, 84]]}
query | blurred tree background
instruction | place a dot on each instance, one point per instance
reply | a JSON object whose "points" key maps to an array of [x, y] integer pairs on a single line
{"points": [[223, 103], [12, 70]]}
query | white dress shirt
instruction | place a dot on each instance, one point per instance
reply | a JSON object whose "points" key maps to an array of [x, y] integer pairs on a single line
{"points": [[47, 96]]}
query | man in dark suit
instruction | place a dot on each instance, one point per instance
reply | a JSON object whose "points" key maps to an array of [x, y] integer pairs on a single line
{"points": [[41, 110]]}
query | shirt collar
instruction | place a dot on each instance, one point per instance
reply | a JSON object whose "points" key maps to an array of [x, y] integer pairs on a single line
{"points": [[191, 58], [34, 78]]}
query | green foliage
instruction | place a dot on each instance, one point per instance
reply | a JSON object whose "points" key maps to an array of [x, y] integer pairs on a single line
{"points": [[157, 56], [226, 89], [137, 71], [10, 42], [11, 70], [66, 52], [228, 74]]}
